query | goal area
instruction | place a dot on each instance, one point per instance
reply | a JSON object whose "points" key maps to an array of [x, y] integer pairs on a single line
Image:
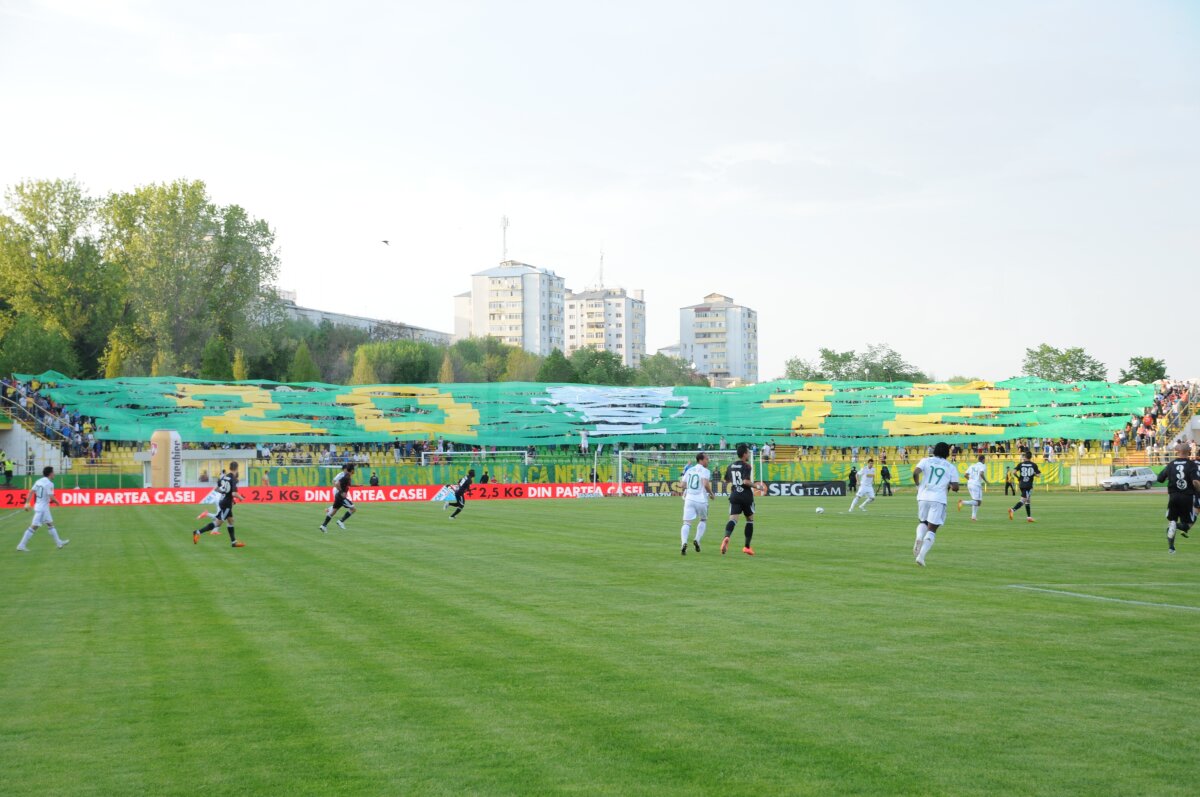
{"points": [[654, 466]]}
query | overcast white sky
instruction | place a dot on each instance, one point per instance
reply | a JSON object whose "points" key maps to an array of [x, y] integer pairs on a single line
{"points": [[857, 172]]}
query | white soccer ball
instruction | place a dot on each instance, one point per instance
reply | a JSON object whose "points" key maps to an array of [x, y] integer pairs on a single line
{"points": [[820, 510]]}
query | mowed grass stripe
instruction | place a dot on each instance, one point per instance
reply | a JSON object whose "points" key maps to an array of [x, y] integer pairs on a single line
{"points": [[566, 646]]}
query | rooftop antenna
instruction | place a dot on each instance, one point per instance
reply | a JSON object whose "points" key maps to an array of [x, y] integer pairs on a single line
{"points": [[601, 268], [504, 234]]}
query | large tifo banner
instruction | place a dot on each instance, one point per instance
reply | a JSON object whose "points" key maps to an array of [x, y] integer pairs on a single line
{"points": [[518, 414], [323, 495]]}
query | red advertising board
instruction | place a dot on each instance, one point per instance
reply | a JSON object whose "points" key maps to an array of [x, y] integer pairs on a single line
{"points": [[321, 495]]}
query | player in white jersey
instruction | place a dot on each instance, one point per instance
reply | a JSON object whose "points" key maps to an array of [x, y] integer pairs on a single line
{"points": [[866, 486], [933, 476], [43, 496], [976, 478], [697, 489]]}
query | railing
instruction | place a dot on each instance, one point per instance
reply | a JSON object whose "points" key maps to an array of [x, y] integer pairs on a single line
{"points": [[36, 421]]}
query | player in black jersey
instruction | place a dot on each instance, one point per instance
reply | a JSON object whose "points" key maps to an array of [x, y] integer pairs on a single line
{"points": [[740, 475], [1025, 471], [460, 493], [227, 490], [341, 497], [1182, 476]]}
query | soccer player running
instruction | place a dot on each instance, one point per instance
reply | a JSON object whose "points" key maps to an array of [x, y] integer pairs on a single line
{"points": [[1182, 476], [741, 497], [933, 477], [43, 495], [697, 489], [460, 493], [976, 478], [227, 488], [341, 498], [866, 486], [213, 498], [1025, 473]]}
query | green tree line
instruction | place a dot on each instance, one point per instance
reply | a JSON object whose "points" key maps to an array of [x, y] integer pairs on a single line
{"points": [[162, 281]]}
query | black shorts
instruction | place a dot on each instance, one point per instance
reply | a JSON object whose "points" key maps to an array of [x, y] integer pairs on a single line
{"points": [[1181, 508], [460, 498], [742, 506], [1026, 491], [224, 511], [340, 501]]}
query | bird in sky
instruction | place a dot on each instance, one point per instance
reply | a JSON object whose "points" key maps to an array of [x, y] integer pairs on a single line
{"points": [[385, 243]]}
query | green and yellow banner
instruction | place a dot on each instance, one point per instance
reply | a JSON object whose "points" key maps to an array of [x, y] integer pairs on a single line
{"points": [[511, 414]]}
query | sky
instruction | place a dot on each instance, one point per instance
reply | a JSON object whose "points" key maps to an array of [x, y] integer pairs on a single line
{"points": [[960, 181]]}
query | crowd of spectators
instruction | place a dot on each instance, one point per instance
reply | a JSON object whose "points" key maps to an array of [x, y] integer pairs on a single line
{"points": [[73, 432], [1148, 431]]}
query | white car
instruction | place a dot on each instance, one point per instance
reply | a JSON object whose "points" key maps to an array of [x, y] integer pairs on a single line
{"points": [[1128, 478]]}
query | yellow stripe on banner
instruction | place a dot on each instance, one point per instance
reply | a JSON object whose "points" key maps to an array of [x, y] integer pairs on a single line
{"points": [[461, 418], [254, 396], [812, 393], [240, 422], [933, 424], [811, 420]]}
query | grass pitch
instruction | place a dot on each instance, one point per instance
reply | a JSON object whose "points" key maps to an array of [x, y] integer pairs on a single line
{"points": [[547, 647]]}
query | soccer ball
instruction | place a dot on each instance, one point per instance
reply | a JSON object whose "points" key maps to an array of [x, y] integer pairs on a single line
{"points": [[820, 510]]}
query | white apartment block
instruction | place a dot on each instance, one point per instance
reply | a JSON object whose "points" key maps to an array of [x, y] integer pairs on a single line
{"points": [[607, 319], [721, 339], [516, 303]]}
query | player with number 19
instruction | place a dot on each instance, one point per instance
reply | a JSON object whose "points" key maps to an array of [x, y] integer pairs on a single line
{"points": [[933, 477]]}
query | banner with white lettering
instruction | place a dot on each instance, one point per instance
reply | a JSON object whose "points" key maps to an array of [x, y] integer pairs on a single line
{"points": [[322, 495]]}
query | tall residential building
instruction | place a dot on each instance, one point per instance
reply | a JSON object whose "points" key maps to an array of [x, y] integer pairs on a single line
{"points": [[516, 303], [607, 319], [721, 339]]}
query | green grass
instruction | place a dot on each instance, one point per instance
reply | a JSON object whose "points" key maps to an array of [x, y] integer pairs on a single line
{"points": [[549, 647]]}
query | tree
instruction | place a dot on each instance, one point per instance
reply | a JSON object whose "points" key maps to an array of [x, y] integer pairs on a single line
{"points": [[557, 368], [521, 366], [364, 372], [52, 269], [446, 373], [303, 368], [832, 365], [214, 361], [1066, 365], [1144, 370], [959, 379], [114, 359], [879, 363], [882, 363], [190, 269], [664, 370], [241, 371], [596, 367], [30, 347]]}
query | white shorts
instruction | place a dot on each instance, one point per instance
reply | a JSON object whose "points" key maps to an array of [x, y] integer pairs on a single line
{"points": [[41, 517], [931, 512], [866, 490], [976, 491], [695, 510]]}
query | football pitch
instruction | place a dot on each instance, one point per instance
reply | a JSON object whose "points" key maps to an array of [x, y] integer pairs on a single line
{"points": [[565, 646]]}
